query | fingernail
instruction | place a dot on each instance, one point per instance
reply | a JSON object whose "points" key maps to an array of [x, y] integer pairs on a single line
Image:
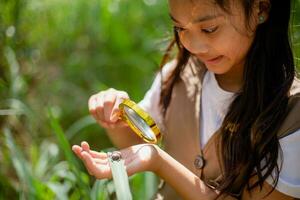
{"points": [[94, 104], [114, 116]]}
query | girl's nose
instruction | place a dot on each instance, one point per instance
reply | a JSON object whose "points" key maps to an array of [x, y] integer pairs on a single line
{"points": [[194, 43]]}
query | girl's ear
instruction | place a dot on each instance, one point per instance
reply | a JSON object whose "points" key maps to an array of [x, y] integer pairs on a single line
{"points": [[261, 10]]}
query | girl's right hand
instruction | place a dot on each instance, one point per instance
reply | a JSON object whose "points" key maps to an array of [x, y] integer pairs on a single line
{"points": [[104, 107]]}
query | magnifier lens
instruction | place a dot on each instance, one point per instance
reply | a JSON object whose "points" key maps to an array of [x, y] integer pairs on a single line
{"points": [[140, 123]]}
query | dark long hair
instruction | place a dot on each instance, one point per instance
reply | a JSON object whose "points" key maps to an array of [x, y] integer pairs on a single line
{"points": [[249, 130]]}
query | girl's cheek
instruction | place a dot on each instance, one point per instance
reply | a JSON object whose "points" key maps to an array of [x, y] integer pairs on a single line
{"points": [[195, 43]]}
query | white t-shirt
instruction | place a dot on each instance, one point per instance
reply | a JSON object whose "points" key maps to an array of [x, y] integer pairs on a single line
{"points": [[214, 105]]}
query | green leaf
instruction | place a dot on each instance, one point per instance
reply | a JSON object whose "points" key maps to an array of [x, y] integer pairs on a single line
{"points": [[99, 191], [78, 125], [19, 163], [31, 187], [65, 146], [120, 179], [144, 185]]}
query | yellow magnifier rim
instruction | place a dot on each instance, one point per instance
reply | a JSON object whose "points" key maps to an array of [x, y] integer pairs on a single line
{"points": [[144, 116]]}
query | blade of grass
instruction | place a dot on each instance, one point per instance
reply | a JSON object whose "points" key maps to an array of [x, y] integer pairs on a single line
{"points": [[78, 125], [15, 77], [143, 185], [64, 144], [35, 188], [150, 183], [99, 191], [18, 161], [120, 179]]}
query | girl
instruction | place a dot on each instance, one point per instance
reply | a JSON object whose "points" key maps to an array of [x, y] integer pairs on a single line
{"points": [[228, 104]]}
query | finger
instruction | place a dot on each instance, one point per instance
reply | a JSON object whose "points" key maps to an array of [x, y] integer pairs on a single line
{"points": [[77, 150], [85, 146], [100, 161], [108, 103], [99, 108], [115, 110], [92, 106], [96, 167], [88, 162], [99, 155]]}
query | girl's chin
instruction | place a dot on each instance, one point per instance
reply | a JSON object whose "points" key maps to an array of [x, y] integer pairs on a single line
{"points": [[217, 69]]}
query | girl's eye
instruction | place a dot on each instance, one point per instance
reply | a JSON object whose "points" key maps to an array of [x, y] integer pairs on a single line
{"points": [[178, 29], [210, 30]]}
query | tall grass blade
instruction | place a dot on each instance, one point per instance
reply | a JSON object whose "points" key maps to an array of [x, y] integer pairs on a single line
{"points": [[78, 125], [15, 79], [65, 146], [144, 185], [120, 179], [20, 164], [99, 191], [150, 184]]}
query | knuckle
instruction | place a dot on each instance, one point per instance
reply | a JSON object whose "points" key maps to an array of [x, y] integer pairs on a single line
{"points": [[123, 94], [99, 94], [91, 98], [111, 90]]}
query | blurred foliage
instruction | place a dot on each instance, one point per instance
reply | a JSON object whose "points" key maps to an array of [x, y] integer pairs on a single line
{"points": [[295, 31], [57, 53]]}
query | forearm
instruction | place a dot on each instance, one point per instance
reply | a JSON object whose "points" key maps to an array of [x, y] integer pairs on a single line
{"points": [[185, 182], [123, 137]]}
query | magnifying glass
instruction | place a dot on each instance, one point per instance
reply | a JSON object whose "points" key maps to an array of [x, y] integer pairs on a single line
{"points": [[140, 121]]}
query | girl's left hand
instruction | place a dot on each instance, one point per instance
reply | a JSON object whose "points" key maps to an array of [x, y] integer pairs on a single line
{"points": [[138, 158]]}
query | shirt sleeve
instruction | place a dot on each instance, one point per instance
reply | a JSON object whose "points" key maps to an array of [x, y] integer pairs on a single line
{"points": [[289, 176], [150, 102]]}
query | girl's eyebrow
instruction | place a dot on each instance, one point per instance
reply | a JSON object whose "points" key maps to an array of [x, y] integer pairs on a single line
{"points": [[199, 19]]}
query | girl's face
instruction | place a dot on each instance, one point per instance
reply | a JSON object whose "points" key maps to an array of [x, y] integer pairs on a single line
{"points": [[219, 39]]}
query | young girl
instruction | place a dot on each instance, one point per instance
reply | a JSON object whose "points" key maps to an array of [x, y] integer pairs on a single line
{"points": [[228, 105]]}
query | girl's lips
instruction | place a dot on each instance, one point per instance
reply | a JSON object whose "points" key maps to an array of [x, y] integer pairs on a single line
{"points": [[214, 60]]}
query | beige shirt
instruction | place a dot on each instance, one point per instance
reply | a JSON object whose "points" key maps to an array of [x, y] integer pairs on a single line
{"points": [[214, 105]]}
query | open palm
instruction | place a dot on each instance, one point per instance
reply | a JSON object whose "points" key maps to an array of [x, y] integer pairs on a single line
{"points": [[136, 158]]}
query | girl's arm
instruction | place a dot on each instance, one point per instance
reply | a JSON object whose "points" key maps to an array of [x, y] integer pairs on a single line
{"points": [[147, 157], [185, 182]]}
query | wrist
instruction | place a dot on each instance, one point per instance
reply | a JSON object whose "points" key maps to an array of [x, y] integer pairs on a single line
{"points": [[157, 160]]}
